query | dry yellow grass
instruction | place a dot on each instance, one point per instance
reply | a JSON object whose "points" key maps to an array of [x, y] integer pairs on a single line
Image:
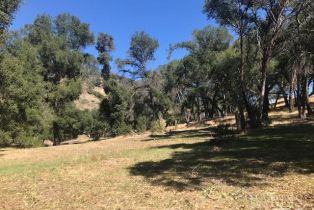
{"points": [[181, 170], [281, 102], [89, 101], [100, 90]]}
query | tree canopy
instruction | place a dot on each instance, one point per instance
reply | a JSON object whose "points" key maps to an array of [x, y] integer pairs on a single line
{"points": [[44, 69]]}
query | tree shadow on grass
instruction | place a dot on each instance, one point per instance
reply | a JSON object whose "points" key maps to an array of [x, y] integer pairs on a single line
{"points": [[248, 161], [195, 133]]}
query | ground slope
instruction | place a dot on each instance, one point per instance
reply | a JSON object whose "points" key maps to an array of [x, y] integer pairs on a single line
{"points": [[182, 169], [90, 99]]}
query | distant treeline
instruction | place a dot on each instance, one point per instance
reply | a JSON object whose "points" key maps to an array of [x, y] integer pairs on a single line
{"points": [[43, 67]]}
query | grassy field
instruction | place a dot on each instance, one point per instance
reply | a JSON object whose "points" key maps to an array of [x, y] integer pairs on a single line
{"points": [[182, 169]]}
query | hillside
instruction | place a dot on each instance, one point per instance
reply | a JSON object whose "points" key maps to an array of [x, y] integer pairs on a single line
{"points": [[90, 99]]}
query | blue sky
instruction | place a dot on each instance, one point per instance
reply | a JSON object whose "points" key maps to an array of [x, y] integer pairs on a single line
{"points": [[169, 21]]}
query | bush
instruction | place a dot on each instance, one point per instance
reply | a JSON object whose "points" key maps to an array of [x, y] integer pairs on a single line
{"points": [[157, 126], [29, 141], [73, 122], [5, 139], [98, 129], [121, 129], [142, 124], [171, 120], [20, 138]]}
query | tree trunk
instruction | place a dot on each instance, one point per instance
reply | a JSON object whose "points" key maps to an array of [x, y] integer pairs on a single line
{"points": [[263, 116], [291, 100], [56, 134], [266, 106], [285, 97], [205, 102], [305, 97], [214, 105], [298, 99], [277, 98], [187, 114], [198, 107], [242, 96], [221, 112], [240, 118], [152, 105], [292, 89], [252, 113], [312, 93]]}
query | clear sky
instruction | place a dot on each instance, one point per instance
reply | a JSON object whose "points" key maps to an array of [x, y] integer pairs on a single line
{"points": [[169, 21]]}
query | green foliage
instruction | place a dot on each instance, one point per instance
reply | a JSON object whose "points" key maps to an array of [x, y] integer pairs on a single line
{"points": [[90, 73], [98, 129], [142, 124], [105, 43], [157, 126], [39, 80], [7, 9], [264, 29], [67, 91], [104, 46], [196, 80], [5, 139], [141, 51], [148, 101], [172, 119], [225, 11], [43, 69], [26, 141], [76, 33], [24, 113], [113, 108], [73, 122], [142, 41], [59, 42], [121, 129], [40, 30]]}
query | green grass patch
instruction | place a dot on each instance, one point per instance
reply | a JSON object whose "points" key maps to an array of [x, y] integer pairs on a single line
{"points": [[18, 168]]}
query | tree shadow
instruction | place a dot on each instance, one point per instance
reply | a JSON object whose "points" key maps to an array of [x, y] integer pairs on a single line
{"points": [[245, 162], [202, 132], [4, 149]]}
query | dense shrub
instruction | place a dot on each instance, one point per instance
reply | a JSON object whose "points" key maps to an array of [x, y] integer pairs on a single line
{"points": [[73, 122], [98, 129], [5, 139], [121, 129], [27, 141], [142, 124], [157, 126]]}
